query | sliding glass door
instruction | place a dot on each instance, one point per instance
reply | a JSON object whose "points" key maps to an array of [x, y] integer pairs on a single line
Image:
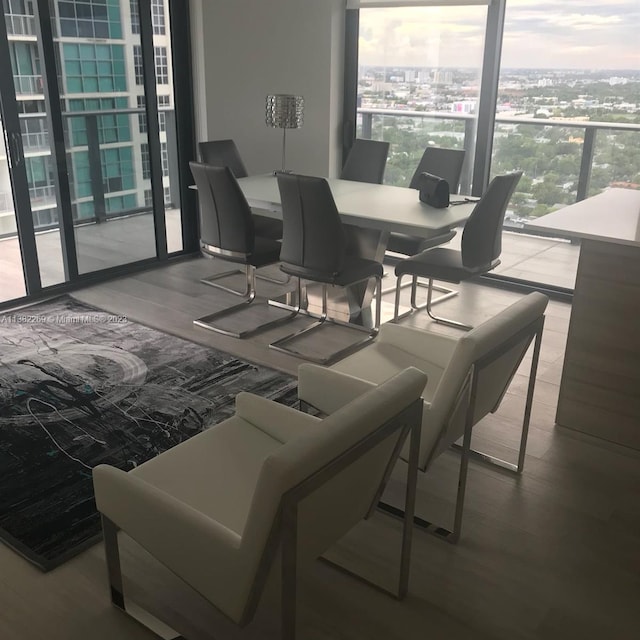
{"points": [[91, 169], [12, 285], [98, 63], [26, 188]]}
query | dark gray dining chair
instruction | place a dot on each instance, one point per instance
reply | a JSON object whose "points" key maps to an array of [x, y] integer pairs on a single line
{"points": [[366, 161], [315, 248], [224, 153], [479, 253], [227, 232], [446, 164]]}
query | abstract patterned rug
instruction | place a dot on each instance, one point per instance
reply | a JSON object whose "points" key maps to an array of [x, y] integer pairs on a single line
{"points": [[79, 387]]}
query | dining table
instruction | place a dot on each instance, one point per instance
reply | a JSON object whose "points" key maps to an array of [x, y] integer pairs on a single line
{"points": [[369, 212]]}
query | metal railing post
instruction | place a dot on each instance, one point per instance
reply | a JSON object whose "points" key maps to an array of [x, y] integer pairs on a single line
{"points": [[95, 168], [467, 167], [586, 163], [367, 125]]}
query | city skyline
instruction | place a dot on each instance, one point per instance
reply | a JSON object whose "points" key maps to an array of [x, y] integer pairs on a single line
{"points": [[538, 35], [509, 69]]}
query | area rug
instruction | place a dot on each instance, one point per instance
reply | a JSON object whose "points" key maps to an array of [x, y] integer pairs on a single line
{"points": [[80, 387]]}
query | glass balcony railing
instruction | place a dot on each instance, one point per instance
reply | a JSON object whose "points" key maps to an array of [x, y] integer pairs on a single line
{"points": [[19, 25], [6, 202], [108, 162], [42, 197], [28, 85], [564, 161], [35, 141]]}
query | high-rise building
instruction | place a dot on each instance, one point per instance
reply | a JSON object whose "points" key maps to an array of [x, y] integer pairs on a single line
{"points": [[101, 81]]}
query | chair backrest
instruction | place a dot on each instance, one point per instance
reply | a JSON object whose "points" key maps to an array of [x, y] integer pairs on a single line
{"points": [[333, 473], [225, 216], [313, 237], [441, 162], [482, 235], [366, 161], [223, 153], [491, 353]]}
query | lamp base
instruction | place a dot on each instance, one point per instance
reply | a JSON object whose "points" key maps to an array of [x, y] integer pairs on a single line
{"points": [[277, 171]]}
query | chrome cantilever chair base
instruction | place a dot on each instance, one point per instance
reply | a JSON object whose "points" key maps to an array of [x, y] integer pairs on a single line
{"points": [[281, 344], [427, 305], [209, 321], [446, 291], [428, 243], [212, 281]]}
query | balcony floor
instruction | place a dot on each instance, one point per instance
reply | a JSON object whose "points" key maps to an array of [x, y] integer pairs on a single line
{"points": [[99, 246], [122, 240], [545, 260], [548, 261]]}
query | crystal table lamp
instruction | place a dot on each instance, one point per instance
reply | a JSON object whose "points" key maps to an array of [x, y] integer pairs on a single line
{"points": [[284, 112]]}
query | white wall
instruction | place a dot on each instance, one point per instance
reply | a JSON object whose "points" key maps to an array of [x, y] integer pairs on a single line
{"points": [[246, 49]]}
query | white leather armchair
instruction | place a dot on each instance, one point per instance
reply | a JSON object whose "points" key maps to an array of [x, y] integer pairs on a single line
{"points": [[215, 508], [467, 379]]}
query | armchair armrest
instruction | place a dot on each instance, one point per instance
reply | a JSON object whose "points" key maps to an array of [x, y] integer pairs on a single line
{"points": [[329, 390], [137, 507], [280, 422], [193, 545]]}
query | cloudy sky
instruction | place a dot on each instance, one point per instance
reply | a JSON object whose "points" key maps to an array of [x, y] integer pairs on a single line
{"points": [[571, 34]]}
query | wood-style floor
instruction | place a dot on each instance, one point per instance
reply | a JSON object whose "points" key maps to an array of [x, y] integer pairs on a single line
{"points": [[554, 554], [123, 240]]}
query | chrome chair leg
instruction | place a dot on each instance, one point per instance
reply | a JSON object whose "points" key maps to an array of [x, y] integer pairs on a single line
{"points": [[396, 307], [209, 321], [212, 282], [378, 303], [414, 284], [450, 535], [440, 319], [281, 343], [448, 293], [118, 600]]}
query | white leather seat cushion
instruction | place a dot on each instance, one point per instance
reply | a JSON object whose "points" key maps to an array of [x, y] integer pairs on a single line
{"points": [[214, 472], [379, 361]]}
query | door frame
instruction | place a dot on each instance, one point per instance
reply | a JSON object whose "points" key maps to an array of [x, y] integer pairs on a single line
{"points": [[185, 151], [18, 173]]}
